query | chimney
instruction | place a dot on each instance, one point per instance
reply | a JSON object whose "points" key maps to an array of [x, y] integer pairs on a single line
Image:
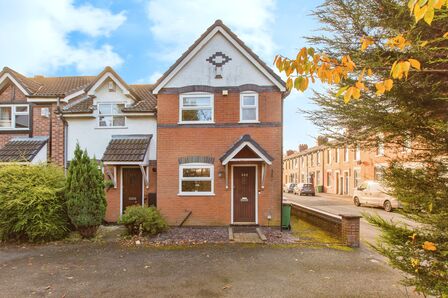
{"points": [[289, 152], [303, 147]]}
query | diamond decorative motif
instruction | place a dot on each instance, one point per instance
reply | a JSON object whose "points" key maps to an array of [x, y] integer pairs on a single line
{"points": [[218, 59]]}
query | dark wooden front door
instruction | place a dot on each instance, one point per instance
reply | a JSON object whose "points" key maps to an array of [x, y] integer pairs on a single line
{"points": [[244, 194], [132, 187]]}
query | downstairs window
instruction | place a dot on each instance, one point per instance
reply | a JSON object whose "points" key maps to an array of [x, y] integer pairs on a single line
{"points": [[196, 179]]}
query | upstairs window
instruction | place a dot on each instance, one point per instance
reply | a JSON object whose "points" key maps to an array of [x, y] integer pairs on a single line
{"points": [[196, 179], [358, 153], [196, 108], [249, 107], [346, 154], [14, 117], [110, 115]]}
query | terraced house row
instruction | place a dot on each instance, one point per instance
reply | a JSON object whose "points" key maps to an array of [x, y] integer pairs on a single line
{"points": [[339, 170], [203, 143]]}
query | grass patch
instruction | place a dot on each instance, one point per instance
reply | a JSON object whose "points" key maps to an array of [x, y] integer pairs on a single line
{"points": [[311, 235]]}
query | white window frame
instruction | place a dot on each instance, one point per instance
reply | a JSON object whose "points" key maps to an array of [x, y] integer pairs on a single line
{"points": [[346, 154], [329, 156], [358, 153], [201, 166], [242, 106], [336, 157], [13, 116], [205, 95], [112, 115]]}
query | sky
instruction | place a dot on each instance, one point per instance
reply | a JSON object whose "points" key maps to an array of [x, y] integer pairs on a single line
{"points": [[140, 39]]}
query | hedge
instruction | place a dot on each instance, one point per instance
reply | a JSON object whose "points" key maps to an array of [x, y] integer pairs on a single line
{"points": [[32, 203]]}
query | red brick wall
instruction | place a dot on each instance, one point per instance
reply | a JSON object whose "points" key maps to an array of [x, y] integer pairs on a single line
{"points": [[215, 141], [113, 195], [11, 94], [42, 126]]}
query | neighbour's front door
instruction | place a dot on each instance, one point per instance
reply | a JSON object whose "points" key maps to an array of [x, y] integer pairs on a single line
{"points": [[132, 187], [244, 194]]}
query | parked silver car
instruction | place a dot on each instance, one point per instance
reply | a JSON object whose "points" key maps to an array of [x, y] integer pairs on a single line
{"points": [[372, 193], [304, 189], [289, 187]]}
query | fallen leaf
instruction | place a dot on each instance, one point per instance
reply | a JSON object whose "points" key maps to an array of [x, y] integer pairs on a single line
{"points": [[429, 246]]}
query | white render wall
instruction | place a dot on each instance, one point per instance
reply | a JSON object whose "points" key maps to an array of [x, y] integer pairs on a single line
{"points": [[236, 72], [95, 140], [41, 156], [85, 130]]}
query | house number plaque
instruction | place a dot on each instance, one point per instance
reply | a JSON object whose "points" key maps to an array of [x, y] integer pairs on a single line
{"points": [[244, 199]]}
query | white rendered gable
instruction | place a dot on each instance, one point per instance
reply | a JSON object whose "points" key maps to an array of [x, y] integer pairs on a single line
{"points": [[102, 94], [239, 70]]}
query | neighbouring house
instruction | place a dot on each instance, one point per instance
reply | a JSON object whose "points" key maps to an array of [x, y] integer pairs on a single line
{"points": [[31, 130], [340, 169], [203, 144], [116, 123]]}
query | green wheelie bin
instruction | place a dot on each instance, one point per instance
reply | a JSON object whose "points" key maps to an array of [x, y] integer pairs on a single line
{"points": [[286, 217]]}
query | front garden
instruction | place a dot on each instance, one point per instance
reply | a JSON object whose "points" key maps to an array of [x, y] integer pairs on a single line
{"points": [[39, 203]]}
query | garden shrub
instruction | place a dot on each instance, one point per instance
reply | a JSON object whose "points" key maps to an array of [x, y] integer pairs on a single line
{"points": [[32, 203], [145, 220], [86, 198]]}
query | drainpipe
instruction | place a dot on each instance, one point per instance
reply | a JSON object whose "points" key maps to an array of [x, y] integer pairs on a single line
{"points": [[50, 133], [281, 166]]}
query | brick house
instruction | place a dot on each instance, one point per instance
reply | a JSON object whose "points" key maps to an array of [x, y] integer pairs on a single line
{"points": [[219, 135], [340, 169], [204, 143], [31, 129]]}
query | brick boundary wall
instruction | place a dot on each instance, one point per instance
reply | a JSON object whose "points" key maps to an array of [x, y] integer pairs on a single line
{"points": [[344, 226]]}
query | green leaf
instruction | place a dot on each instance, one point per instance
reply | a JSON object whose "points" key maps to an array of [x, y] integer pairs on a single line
{"points": [[341, 90]]}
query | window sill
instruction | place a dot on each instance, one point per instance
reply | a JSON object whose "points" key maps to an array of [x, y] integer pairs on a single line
{"points": [[13, 129], [249, 122], [196, 122], [195, 194], [111, 127]]}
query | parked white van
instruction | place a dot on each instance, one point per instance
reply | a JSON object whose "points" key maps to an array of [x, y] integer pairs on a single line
{"points": [[372, 193]]}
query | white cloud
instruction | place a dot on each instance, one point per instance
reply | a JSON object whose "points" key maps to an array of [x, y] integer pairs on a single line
{"points": [[150, 79], [35, 36], [177, 23]]}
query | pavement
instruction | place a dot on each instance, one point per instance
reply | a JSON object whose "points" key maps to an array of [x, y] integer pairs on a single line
{"points": [[90, 269], [337, 204]]}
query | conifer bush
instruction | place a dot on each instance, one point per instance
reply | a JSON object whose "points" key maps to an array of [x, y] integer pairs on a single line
{"points": [[86, 199], [143, 220], [32, 203]]}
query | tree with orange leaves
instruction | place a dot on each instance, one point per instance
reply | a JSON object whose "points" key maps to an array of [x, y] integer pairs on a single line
{"points": [[385, 63]]}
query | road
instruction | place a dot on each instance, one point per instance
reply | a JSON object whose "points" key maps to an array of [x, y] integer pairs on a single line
{"points": [[344, 205]]}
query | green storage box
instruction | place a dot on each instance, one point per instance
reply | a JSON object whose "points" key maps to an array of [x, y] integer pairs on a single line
{"points": [[286, 217]]}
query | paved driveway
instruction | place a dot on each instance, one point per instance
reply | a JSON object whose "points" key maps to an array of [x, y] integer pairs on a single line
{"points": [[230, 270], [344, 205]]}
